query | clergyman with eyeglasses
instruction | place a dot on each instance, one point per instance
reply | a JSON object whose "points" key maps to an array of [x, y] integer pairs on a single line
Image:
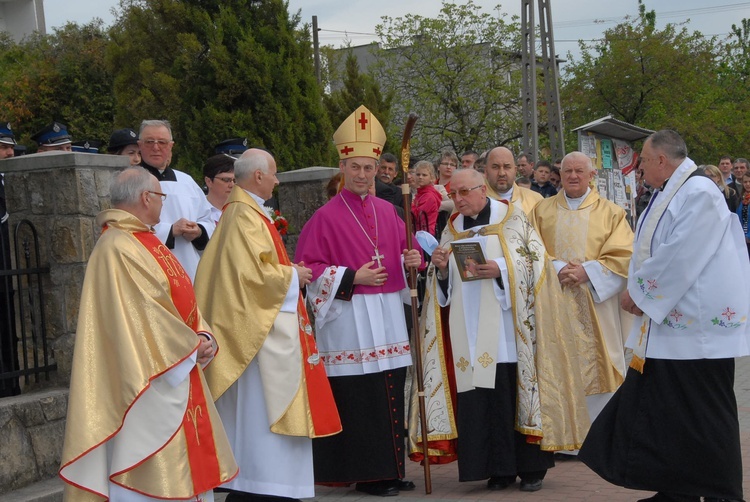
{"points": [[519, 394], [186, 221], [141, 421]]}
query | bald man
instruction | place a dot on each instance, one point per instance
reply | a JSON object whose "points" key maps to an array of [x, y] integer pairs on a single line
{"points": [[500, 171]]}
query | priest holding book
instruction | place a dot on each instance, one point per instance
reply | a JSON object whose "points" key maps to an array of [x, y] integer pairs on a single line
{"points": [[519, 397]]}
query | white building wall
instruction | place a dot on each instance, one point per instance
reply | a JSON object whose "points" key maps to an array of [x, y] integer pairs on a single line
{"points": [[21, 17]]}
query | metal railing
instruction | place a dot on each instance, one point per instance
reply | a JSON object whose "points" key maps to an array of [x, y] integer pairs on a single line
{"points": [[23, 330]]}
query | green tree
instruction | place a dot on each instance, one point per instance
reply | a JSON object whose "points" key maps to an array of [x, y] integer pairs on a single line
{"points": [[61, 76], [359, 89], [458, 72], [220, 69], [655, 79]]}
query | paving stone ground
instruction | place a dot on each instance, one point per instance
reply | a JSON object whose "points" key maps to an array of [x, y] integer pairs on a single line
{"points": [[570, 480]]}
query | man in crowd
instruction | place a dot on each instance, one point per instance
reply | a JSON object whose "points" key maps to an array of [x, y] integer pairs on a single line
{"points": [[525, 166], [53, 138], [141, 422], [741, 166], [8, 341], [271, 389], [468, 158], [725, 167], [384, 186], [519, 397], [7, 140], [672, 426], [541, 183], [186, 223], [590, 241], [500, 173], [356, 248]]}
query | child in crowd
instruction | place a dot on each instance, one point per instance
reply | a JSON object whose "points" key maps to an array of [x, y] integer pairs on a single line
{"points": [[426, 203]]}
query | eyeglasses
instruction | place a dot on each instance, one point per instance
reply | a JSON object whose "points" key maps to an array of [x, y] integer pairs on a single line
{"points": [[162, 195], [452, 164], [462, 192], [226, 180], [153, 142]]}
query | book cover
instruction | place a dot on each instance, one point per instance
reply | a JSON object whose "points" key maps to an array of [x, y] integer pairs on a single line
{"points": [[468, 255]]}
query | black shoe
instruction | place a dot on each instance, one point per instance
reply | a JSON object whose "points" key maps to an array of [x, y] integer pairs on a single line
{"points": [[531, 485], [500, 482], [378, 488], [404, 485]]}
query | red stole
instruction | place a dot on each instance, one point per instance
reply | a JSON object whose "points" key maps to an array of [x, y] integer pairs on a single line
{"points": [[199, 435], [323, 411]]}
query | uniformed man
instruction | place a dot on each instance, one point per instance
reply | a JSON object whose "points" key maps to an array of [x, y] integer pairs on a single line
{"points": [[54, 137]]}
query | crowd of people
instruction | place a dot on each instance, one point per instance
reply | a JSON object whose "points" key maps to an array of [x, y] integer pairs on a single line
{"points": [[207, 359]]}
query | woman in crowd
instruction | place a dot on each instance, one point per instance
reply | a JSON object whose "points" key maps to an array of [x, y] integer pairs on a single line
{"points": [[125, 142], [733, 200], [744, 209], [218, 174]]}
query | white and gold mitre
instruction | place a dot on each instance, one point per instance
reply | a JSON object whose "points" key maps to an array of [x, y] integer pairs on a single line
{"points": [[360, 135]]}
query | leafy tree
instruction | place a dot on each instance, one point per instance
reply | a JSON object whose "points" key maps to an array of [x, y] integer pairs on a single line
{"points": [[458, 72], [655, 79], [62, 76], [358, 89], [217, 70]]}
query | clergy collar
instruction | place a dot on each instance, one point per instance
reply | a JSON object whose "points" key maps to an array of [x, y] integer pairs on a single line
{"points": [[576, 201], [507, 195], [166, 175], [483, 216], [260, 203], [353, 197]]}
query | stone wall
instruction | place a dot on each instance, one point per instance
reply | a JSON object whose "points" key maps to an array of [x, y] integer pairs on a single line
{"points": [[61, 194], [32, 428], [301, 193]]}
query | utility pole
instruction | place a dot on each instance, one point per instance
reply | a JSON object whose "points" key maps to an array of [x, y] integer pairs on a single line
{"points": [[316, 48], [530, 141]]}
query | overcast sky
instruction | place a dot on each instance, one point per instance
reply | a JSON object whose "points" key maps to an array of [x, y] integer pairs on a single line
{"points": [[571, 19]]}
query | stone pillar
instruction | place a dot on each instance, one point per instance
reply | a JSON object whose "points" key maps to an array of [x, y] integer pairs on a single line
{"points": [[301, 193], [61, 193]]}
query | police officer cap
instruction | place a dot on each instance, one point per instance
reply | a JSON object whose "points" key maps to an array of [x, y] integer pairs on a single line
{"points": [[122, 138], [54, 134], [232, 146], [6, 134], [86, 146]]}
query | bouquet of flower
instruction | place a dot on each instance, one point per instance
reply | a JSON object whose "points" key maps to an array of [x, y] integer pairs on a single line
{"points": [[280, 222]]}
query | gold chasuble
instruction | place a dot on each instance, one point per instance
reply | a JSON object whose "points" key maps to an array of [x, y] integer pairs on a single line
{"points": [[522, 198], [597, 231], [551, 407], [242, 280], [139, 413]]}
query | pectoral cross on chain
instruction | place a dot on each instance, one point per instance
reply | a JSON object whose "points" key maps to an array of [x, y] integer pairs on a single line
{"points": [[377, 257]]}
